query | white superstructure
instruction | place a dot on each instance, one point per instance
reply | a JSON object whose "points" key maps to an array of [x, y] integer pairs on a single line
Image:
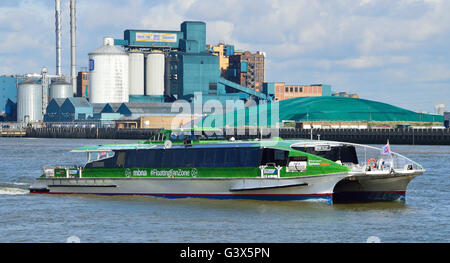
{"points": [[155, 74], [29, 101], [108, 76], [136, 73]]}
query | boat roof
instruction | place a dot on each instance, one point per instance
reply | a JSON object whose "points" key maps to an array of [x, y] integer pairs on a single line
{"points": [[283, 144], [137, 146]]}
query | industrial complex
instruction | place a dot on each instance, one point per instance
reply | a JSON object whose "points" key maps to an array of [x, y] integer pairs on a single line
{"points": [[133, 83]]}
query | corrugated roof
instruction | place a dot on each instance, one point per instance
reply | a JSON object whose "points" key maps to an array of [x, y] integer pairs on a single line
{"points": [[325, 109], [79, 102], [154, 108], [58, 101], [98, 107]]}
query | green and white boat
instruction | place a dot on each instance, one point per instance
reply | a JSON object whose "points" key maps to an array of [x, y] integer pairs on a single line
{"points": [[179, 164]]}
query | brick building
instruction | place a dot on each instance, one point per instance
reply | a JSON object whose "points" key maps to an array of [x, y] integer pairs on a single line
{"points": [[83, 84], [247, 69], [284, 92]]}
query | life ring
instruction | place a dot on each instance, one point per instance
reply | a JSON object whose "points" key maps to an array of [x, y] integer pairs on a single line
{"points": [[374, 163]]}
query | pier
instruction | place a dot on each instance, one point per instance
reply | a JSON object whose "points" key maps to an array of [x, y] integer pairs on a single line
{"points": [[12, 130], [410, 136]]}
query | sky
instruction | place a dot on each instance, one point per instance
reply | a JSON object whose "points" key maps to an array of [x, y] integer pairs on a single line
{"points": [[397, 52]]}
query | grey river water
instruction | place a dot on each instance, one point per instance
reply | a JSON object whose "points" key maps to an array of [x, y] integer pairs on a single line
{"points": [[424, 217]]}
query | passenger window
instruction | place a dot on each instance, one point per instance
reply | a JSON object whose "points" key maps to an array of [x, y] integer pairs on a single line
{"points": [[120, 162], [298, 158]]}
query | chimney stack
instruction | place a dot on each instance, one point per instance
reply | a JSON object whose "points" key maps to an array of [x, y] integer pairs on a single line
{"points": [[58, 36], [73, 53]]}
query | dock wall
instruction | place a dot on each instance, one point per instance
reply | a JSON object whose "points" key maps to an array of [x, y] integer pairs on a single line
{"points": [[363, 136]]}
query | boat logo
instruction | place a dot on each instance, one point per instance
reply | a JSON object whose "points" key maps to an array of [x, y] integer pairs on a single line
{"points": [[139, 173], [128, 172], [194, 172], [270, 171]]}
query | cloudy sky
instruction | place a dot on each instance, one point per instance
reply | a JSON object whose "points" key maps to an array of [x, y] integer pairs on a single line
{"points": [[396, 52]]}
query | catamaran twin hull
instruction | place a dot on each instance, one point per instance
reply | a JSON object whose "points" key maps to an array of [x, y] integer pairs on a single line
{"points": [[341, 187], [287, 170], [291, 189]]}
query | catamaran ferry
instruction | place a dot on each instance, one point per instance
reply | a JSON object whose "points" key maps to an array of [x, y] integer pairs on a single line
{"points": [[180, 164]]}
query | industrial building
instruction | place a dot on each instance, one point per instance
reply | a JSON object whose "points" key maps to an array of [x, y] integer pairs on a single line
{"points": [[161, 65], [223, 52], [247, 69], [8, 95], [439, 109], [83, 84], [69, 110], [136, 115]]}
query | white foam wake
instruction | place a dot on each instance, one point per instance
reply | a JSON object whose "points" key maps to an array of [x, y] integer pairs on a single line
{"points": [[13, 191]]}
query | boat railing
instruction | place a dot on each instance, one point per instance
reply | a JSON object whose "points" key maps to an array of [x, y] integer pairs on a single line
{"points": [[371, 158]]}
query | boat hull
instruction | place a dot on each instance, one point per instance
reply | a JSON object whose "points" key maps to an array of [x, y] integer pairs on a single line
{"points": [[311, 188], [373, 188]]}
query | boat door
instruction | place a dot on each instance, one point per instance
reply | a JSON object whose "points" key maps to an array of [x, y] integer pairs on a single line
{"points": [[273, 160]]}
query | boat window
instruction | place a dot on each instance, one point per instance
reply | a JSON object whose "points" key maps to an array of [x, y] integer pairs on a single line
{"points": [[191, 157], [278, 157], [345, 153], [107, 160], [230, 158], [210, 158]]}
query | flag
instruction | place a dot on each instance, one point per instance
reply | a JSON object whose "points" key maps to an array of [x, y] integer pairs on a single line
{"points": [[387, 149]]}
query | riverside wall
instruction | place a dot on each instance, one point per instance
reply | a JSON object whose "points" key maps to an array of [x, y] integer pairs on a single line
{"points": [[363, 136]]}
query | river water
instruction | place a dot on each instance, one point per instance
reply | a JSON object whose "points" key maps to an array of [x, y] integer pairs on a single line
{"points": [[424, 217]]}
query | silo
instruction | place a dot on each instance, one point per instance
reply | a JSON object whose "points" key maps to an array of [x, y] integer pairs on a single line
{"points": [[108, 74], [29, 101], [155, 74], [136, 73], [61, 89]]}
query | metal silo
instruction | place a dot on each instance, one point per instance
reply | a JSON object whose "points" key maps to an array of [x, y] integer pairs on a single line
{"points": [[61, 89], [108, 77], [155, 74], [136, 73], [29, 101]]}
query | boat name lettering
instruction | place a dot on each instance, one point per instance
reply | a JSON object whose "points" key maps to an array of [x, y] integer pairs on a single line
{"points": [[173, 172], [139, 173]]}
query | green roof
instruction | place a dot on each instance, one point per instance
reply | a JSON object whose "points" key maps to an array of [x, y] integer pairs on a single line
{"points": [[327, 108]]}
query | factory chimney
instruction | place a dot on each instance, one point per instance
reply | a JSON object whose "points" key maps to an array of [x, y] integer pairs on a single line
{"points": [[73, 53], [58, 36]]}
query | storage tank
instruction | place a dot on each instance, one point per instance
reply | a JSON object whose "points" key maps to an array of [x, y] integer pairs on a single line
{"points": [[61, 89], [155, 74], [29, 101], [108, 77], [136, 73]]}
